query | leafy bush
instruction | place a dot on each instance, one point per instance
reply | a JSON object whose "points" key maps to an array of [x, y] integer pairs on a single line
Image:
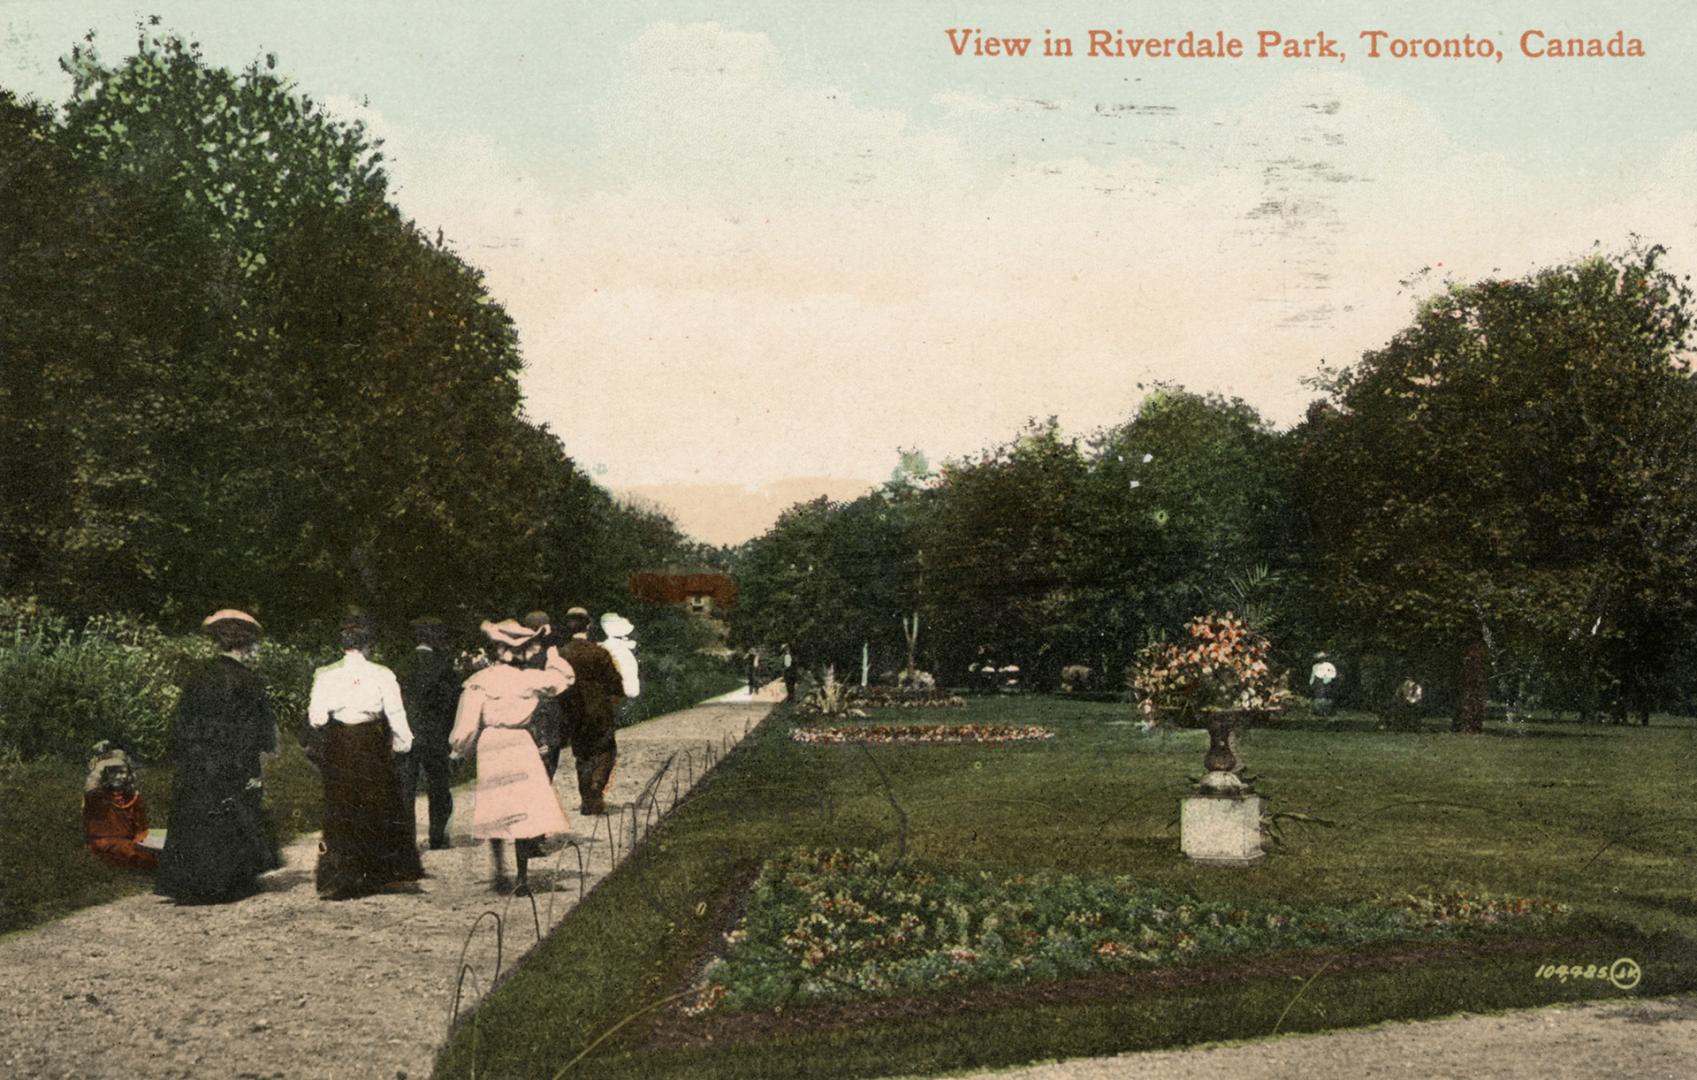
{"points": [[830, 699], [64, 689], [670, 683]]}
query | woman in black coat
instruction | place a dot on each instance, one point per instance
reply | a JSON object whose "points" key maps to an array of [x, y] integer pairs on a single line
{"points": [[217, 842]]}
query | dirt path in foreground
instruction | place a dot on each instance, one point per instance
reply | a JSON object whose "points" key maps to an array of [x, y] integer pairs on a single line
{"points": [[1648, 1038], [286, 985]]}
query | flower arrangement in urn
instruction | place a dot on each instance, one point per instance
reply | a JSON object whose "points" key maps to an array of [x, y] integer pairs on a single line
{"points": [[1215, 675], [1220, 665]]}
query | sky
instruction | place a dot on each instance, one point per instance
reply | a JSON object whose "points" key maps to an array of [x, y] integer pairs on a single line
{"points": [[755, 249]]}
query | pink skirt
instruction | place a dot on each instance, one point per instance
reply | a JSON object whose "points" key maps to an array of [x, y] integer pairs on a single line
{"points": [[514, 800]]}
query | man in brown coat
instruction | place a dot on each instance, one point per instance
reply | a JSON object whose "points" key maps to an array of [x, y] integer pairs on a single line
{"points": [[591, 708]]}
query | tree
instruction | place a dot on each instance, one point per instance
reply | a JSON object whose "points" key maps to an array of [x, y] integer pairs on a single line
{"points": [[1518, 467], [995, 549], [1180, 502], [236, 374]]}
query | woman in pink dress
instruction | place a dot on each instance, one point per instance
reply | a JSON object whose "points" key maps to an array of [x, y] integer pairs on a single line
{"points": [[513, 799]]}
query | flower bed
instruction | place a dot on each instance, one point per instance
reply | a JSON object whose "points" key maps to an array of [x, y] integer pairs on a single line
{"points": [[886, 697], [832, 925], [921, 733]]}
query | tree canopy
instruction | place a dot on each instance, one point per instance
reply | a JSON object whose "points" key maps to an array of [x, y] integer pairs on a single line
{"points": [[1517, 468], [234, 373]]}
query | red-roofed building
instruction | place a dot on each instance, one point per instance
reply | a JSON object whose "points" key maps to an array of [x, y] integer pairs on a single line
{"points": [[706, 593]]}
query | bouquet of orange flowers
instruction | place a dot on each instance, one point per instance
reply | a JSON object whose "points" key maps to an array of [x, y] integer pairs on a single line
{"points": [[1219, 665]]}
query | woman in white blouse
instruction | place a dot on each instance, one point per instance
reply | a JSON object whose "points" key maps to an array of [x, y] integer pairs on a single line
{"points": [[369, 840]]}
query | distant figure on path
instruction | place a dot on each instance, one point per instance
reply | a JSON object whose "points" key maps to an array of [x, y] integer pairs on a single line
{"points": [[369, 840], [514, 800], [623, 651], [753, 672], [592, 708], [113, 813], [791, 674], [1321, 678], [216, 841], [430, 691]]}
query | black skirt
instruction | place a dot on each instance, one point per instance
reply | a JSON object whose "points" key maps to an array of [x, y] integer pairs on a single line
{"points": [[369, 840]]}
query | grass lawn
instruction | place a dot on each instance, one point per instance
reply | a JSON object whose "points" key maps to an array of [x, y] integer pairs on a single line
{"points": [[1588, 816], [46, 872]]}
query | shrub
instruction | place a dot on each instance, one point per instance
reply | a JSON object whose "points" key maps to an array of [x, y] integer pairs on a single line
{"points": [[64, 689]]}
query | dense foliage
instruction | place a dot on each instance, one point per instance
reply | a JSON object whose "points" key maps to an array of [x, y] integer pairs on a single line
{"points": [[1500, 502], [1514, 477], [234, 374], [1040, 553]]}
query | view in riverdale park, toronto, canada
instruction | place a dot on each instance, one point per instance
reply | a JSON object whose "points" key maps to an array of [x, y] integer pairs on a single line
{"points": [[734, 539]]}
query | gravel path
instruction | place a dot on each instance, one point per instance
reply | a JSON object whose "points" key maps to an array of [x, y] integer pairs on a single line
{"points": [[1648, 1038], [285, 985]]}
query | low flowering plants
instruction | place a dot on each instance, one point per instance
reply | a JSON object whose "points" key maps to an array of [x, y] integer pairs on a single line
{"points": [[1220, 665], [921, 733], [824, 925], [885, 697]]}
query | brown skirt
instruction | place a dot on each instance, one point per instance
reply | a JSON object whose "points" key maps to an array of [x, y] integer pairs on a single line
{"points": [[369, 839]]}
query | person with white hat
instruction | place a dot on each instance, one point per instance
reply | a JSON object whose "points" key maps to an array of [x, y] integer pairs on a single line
{"points": [[623, 650], [217, 842], [592, 710], [513, 800]]}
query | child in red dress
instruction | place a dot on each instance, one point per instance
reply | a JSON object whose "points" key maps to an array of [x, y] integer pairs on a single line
{"points": [[113, 813]]}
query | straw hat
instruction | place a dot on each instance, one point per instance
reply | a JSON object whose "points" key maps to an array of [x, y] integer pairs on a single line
{"points": [[231, 613], [509, 632]]}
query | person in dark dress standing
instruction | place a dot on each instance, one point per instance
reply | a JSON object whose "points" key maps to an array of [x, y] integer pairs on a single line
{"points": [[791, 674], [216, 840], [368, 842], [592, 709], [548, 722], [430, 691]]}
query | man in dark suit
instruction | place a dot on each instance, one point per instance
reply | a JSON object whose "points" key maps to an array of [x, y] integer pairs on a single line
{"points": [[592, 708], [547, 724], [430, 690]]}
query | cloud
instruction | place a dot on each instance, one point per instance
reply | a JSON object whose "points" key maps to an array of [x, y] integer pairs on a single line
{"points": [[764, 275]]}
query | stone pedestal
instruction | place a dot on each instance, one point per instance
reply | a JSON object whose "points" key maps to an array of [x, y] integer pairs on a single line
{"points": [[1221, 830]]}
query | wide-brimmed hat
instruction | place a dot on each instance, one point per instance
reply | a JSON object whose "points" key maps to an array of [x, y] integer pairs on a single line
{"points": [[509, 632], [230, 613], [616, 625], [106, 756], [578, 611]]}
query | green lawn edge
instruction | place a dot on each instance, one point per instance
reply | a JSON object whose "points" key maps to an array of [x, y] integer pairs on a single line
{"points": [[641, 934]]}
